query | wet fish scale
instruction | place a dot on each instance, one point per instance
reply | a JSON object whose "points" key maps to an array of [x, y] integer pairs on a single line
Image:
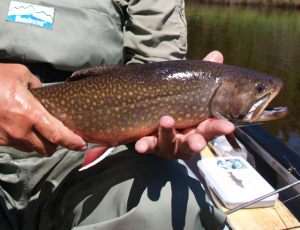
{"points": [[119, 104]]}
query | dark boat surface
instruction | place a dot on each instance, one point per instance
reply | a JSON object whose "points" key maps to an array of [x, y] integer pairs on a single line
{"points": [[277, 163]]}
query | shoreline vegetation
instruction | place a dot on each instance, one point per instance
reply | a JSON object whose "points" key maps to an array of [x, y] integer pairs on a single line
{"points": [[265, 39], [291, 4]]}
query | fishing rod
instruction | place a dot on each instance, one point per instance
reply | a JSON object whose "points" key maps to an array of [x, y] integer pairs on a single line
{"points": [[261, 198]]}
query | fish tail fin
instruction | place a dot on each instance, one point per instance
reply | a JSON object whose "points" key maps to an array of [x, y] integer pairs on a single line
{"points": [[94, 155]]}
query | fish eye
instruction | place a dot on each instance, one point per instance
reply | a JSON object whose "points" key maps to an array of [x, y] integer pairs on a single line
{"points": [[260, 88]]}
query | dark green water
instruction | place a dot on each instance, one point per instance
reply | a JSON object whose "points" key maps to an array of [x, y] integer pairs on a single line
{"points": [[264, 40]]}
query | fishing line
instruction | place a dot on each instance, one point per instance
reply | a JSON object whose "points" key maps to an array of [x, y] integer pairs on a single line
{"points": [[292, 198], [261, 198]]}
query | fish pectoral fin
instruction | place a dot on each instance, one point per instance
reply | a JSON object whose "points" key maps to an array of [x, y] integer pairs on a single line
{"points": [[94, 155], [90, 72]]}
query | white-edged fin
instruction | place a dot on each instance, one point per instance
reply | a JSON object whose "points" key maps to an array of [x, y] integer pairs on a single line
{"points": [[99, 159]]}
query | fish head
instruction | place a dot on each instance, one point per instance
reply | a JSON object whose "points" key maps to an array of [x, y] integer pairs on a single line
{"points": [[243, 98]]}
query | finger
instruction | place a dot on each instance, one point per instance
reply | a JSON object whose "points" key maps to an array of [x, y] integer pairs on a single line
{"points": [[28, 79], [214, 127], [33, 82], [214, 56], [39, 144], [56, 132], [196, 142], [189, 146], [146, 145], [3, 138], [32, 141], [166, 136], [21, 147]]}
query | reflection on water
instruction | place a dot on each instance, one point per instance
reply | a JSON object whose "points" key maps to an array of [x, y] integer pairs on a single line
{"points": [[264, 40]]}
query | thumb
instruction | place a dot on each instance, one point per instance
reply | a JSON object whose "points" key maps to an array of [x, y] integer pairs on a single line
{"points": [[214, 56]]}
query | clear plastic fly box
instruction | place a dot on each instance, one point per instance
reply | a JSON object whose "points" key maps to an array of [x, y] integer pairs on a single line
{"points": [[235, 181]]}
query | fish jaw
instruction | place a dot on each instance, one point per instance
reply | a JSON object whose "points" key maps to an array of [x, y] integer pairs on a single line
{"points": [[258, 112], [243, 99]]}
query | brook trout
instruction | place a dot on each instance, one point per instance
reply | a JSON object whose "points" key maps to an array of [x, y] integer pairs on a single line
{"points": [[119, 104]]}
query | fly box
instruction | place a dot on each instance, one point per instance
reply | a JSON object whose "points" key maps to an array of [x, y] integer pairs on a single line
{"points": [[235, 181]]}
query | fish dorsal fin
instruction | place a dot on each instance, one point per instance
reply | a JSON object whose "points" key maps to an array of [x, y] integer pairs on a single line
{"points": [[90, 72]]}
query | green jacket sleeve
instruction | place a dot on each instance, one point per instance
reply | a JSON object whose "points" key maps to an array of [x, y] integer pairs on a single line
{"points": [[154, 30]]}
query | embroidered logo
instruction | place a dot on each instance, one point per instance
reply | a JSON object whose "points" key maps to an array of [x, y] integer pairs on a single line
{"points": [[31, 14]]}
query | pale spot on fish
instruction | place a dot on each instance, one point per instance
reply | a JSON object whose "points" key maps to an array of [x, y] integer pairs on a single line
{"points": [[87, 124], [63, 116]]}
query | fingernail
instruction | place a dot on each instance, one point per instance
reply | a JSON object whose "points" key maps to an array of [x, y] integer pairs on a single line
{"points": [[213, 55], [142, 147], [167, 122], [199, 146], [84, 147]]}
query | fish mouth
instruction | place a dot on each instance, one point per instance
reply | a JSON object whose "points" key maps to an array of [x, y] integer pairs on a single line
{"points": [[259, 112]]}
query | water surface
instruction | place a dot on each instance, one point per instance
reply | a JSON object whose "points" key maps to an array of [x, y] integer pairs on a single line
{"points": [[266, 40]]}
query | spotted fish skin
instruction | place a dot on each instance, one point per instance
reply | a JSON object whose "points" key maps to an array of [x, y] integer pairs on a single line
{"points": [[119, 104]]}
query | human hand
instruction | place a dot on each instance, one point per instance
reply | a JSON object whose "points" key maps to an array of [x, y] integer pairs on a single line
{"points": [[171, 144], [24, 123]]}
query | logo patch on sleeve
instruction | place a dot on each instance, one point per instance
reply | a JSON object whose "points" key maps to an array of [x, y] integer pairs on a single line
{"points": [[31, 14]]}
